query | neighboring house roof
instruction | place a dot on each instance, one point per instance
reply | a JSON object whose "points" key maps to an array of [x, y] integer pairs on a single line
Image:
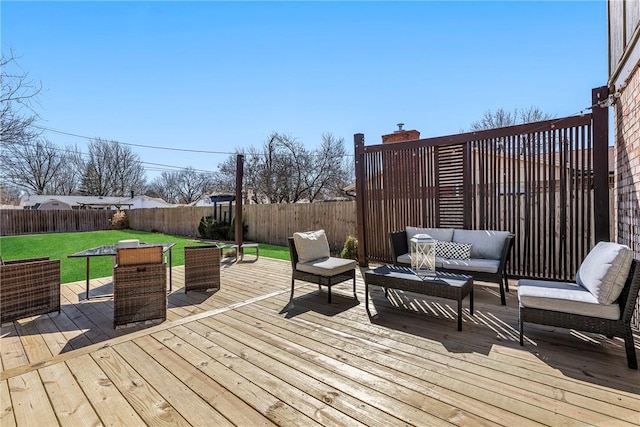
{"points": [[75, 202], [143, 202]]}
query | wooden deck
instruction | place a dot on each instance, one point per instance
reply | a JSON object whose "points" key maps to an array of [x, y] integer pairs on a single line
{"points": [[243, 356]]}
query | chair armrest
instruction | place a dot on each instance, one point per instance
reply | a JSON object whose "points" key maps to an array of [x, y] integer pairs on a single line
{"points": [[293, 253], [506, 251], [25, 260], [399, 245]]}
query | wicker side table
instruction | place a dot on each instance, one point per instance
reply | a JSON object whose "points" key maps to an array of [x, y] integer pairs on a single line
{"points": [[201, 268]]}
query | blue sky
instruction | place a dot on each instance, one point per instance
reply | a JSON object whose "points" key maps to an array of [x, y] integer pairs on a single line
{"points": [[217, 76]]}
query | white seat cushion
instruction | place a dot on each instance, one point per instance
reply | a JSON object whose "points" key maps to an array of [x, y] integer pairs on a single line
{"points": [[566, 297], [604, 271], [329, 266], [311, 245], [406, 260], [473, 264]]}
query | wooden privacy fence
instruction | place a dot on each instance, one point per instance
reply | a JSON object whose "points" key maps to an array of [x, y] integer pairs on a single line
{"points": [[273, 223], [267, 223], [15, 222], [547, 182], [179, 221]]}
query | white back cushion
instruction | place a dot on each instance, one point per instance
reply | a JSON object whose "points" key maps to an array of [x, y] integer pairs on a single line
{"points": [[442, 234], [604, 271], [486, 244], [311, 245]]}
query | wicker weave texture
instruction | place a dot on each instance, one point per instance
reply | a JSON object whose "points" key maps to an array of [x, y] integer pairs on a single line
{"points": [[29, 288], [201, 268], [139, 293], [140, 255]]}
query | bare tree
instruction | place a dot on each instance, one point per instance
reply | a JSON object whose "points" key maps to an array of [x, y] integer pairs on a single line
{"points": [[111, 169], [17, 98], [67, 180], [9, 194], [166, 186], [330, 169], [33, 166], [194, 185], [285, 171], [183, 186], [502, 118]]}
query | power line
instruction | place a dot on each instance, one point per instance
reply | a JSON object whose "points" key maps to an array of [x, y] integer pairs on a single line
{"points": [[156, 167], [155, 147], [186, 150]]}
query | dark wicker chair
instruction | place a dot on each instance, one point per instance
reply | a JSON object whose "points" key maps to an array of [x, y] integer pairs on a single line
{"points": [[139, 285], [201, 268], [320, 280], [609, 328], [399, 246], [29, 287]]}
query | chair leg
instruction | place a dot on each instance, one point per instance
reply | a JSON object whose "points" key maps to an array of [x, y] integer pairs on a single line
{"points": [[632, 362], [506, 283], [503, 298], [329, 294], [292, 280], [521, 328], [354, 286]]}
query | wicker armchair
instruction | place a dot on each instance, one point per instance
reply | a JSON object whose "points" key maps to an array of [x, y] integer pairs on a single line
{"points": [[29, 287], [310, 262], [574, 306], [201, 268], [139, 285]]}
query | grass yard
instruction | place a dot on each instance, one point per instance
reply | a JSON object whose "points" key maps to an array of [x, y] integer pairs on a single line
{"points": [[60, 245]]}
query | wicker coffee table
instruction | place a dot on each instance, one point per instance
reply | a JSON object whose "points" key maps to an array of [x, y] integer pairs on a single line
{"points": [[444, 285]]}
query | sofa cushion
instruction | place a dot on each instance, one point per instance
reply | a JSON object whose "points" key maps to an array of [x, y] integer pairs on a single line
{"points": [[474, 264], [405, 259], [329, 266], [453, 250], [566, 297], [486, 244], [443, 234], [311, 245], [604, 271]]}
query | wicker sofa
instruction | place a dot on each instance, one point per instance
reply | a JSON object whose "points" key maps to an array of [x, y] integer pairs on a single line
{"points": [[487, 252], [29, 287], [601, 300]]}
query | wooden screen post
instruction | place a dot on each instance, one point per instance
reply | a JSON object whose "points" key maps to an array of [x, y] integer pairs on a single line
{"points": [[600, 117], [239, 176], [358, 142]]}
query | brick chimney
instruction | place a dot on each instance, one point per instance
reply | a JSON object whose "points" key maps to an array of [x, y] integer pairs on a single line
{"points": [[401, 135]]}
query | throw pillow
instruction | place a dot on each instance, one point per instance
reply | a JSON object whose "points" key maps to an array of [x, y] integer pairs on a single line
{"points": [[604, 271], [453, 250], [311, 245]]}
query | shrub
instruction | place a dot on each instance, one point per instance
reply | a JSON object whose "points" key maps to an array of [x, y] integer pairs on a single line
{"points": [[350, 248], [119, 221], [211, 229]]}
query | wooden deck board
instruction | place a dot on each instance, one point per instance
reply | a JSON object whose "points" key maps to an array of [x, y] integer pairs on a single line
{"points": [[245, 355]]}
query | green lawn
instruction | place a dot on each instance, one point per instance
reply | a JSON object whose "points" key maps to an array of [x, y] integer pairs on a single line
{"points": [[60, 245]]}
